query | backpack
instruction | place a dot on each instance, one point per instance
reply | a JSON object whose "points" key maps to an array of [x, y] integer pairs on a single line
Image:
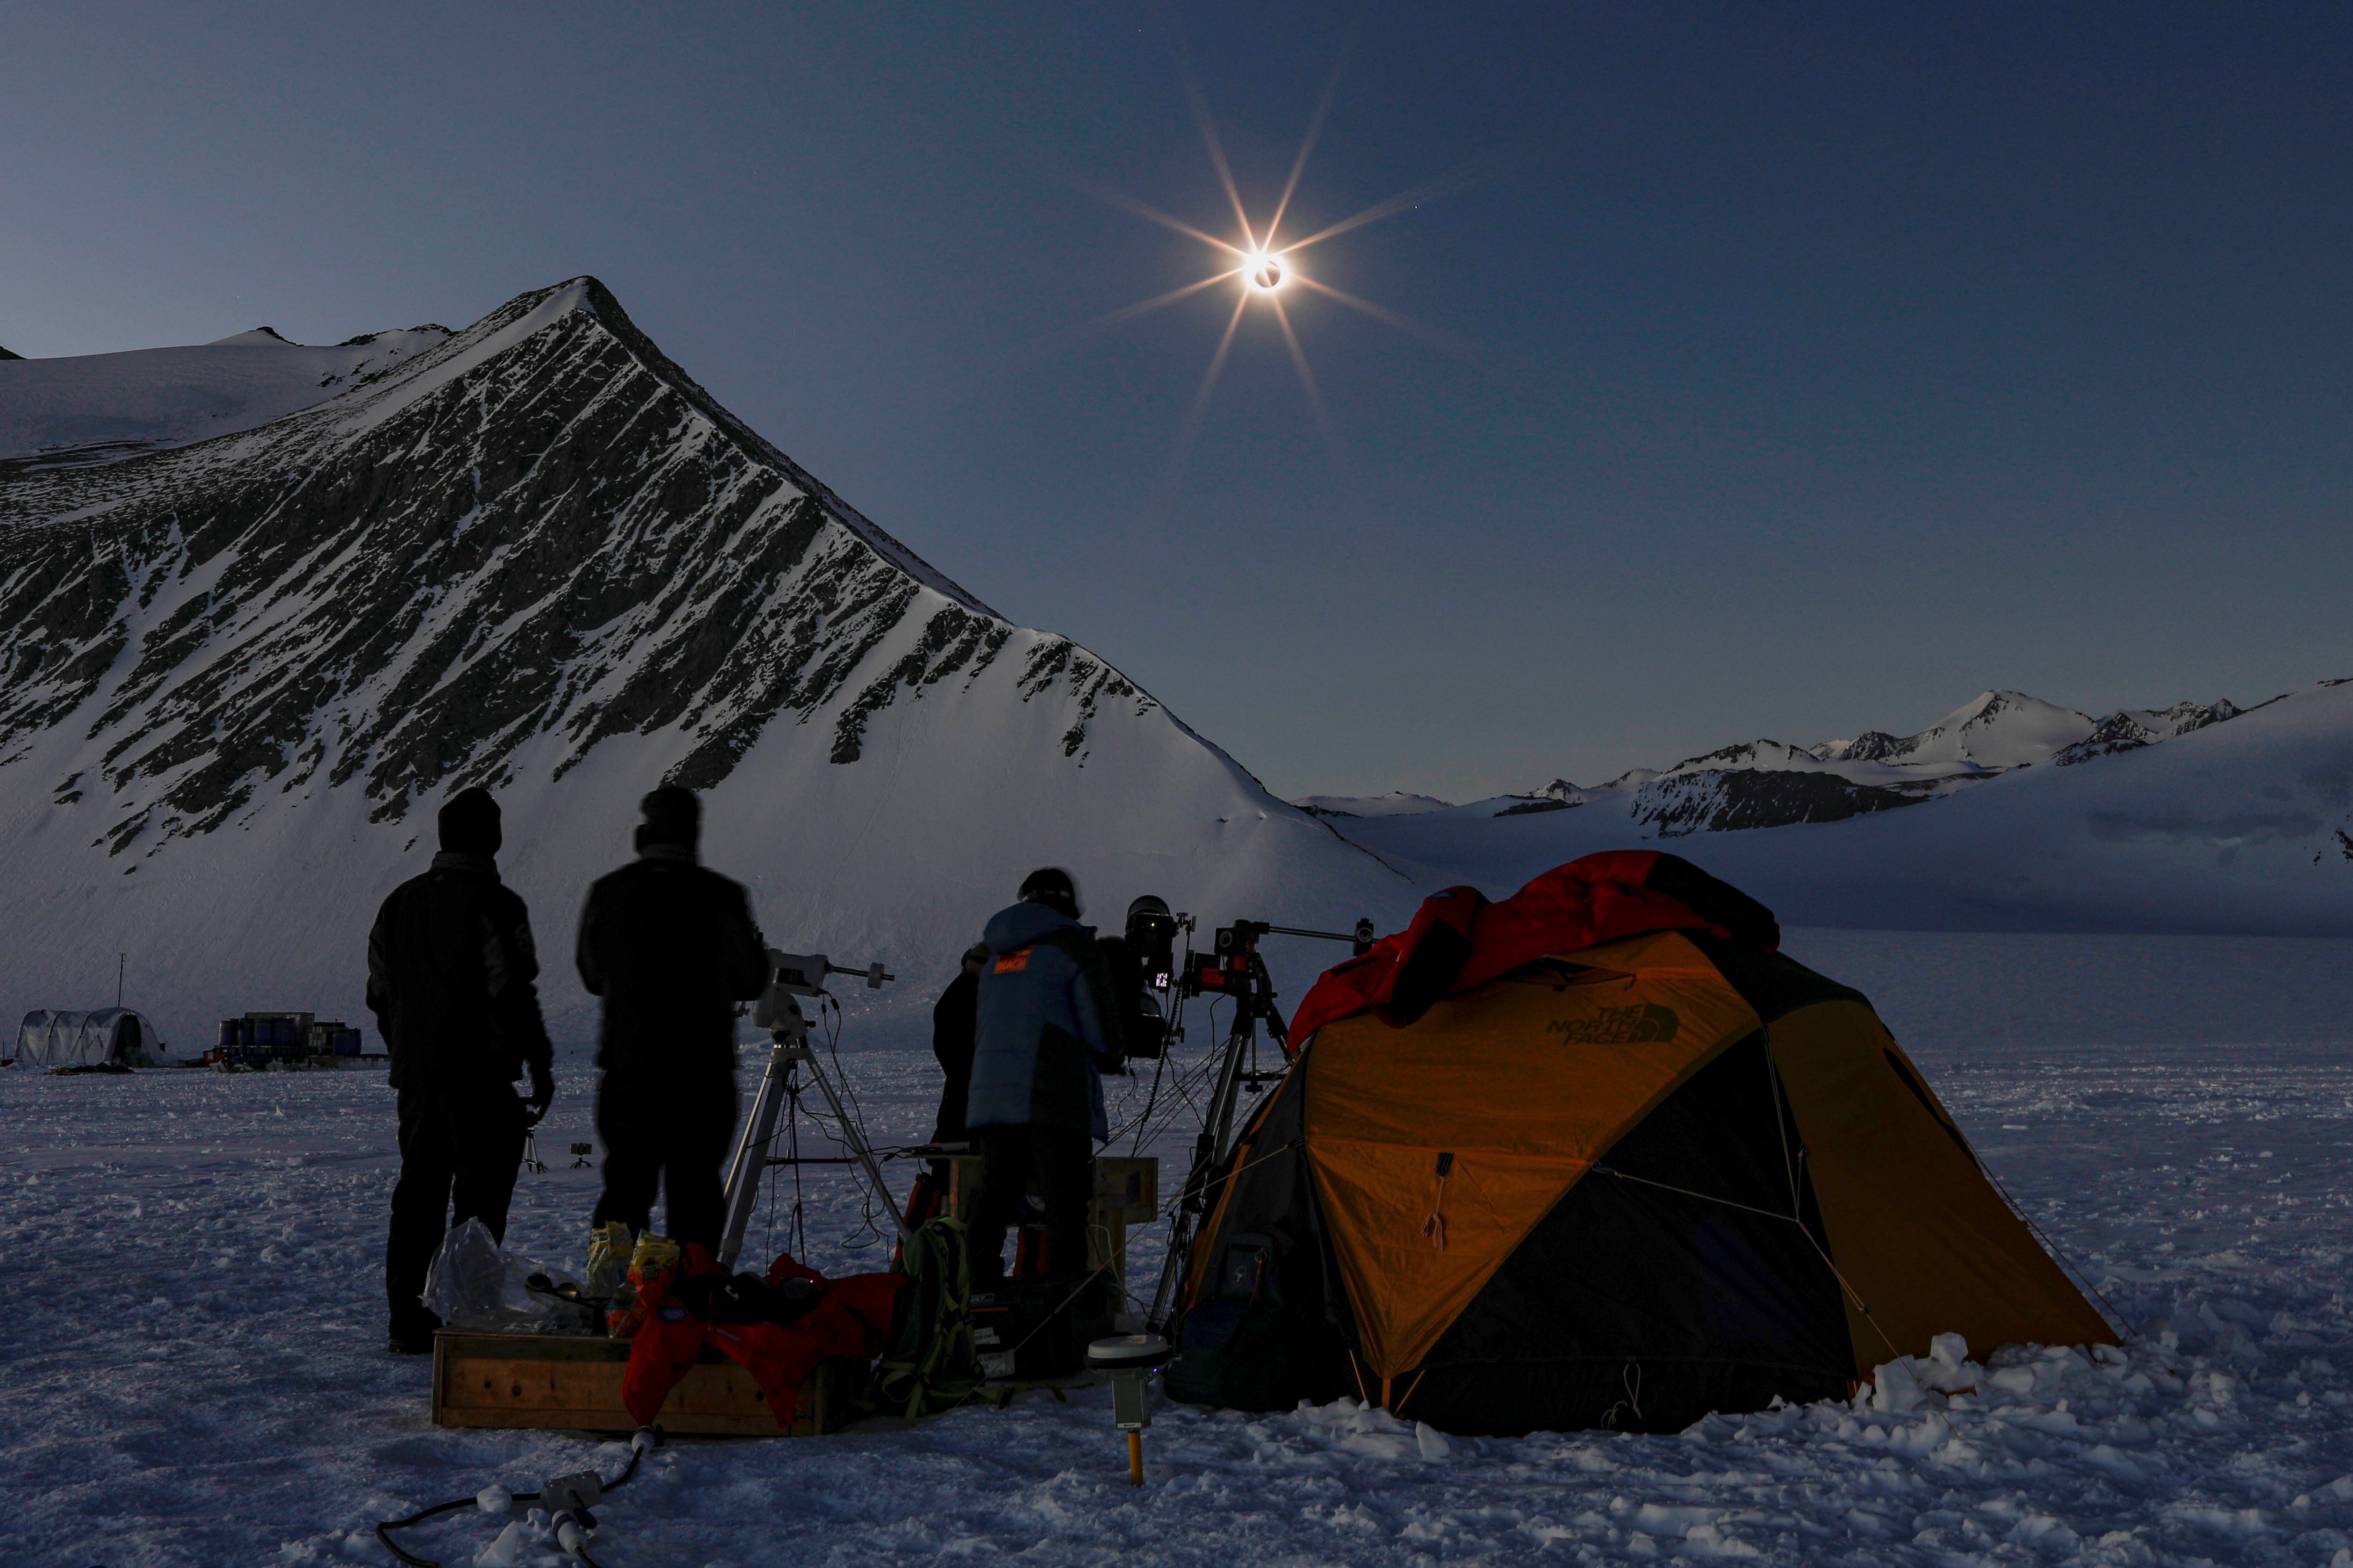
{"points": [[929, 1363], [1235, 1344]]}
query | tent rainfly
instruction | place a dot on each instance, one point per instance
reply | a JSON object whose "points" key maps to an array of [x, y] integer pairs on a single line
{"points": [[1597, 1156], [110, 1034]]}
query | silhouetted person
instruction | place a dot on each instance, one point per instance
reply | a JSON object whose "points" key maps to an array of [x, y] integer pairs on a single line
{"points": [[954, 1018], [1044, 1036], [450, 977], [671, 948]]}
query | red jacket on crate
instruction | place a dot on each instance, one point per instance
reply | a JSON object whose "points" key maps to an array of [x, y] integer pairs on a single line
{"points": [[776, 1327]]}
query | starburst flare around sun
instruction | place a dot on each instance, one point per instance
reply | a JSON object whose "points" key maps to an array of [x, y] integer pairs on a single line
{"points": [[1263, 268]]}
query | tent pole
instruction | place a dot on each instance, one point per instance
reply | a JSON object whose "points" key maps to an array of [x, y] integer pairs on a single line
{"points": [[1207, 1149]]}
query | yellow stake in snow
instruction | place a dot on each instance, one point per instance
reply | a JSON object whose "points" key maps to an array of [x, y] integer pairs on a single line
{"points": [[1130, 1359]]}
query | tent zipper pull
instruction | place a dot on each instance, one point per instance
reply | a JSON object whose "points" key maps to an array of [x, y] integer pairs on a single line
{"points": [[1434, 1225]]}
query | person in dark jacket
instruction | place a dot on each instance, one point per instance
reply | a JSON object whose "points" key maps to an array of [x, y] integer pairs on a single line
{"points": [[1044, 1036], [671, 948], [954, 1018], [451, 973]]}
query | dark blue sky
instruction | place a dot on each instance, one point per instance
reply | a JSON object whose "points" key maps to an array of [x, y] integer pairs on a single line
{"points": [[1832, 362]]}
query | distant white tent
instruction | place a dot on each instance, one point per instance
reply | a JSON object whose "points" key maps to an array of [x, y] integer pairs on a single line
{"points": [[48, 1039]]}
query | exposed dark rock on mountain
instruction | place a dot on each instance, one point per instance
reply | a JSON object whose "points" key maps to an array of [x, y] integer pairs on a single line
{"points": [[2129, 730], [1723, 801], [1767, 784], [239, 673], [543, 526]]}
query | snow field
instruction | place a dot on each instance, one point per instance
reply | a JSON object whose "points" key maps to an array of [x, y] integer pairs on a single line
{"points": [[199, 1375]]}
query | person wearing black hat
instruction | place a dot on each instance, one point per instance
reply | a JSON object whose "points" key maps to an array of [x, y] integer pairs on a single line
{"points": [[1046, 1031], [671, 948], [451, 979]]}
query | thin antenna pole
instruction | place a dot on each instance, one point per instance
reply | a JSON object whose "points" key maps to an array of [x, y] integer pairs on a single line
{"points": [[120, 960]]}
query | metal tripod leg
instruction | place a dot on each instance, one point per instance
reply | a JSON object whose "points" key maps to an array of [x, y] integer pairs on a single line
{"points": [[852, 1141], [1208, 1150], [751, 1160]]}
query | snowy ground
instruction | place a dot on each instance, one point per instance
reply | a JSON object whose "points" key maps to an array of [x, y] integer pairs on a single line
{"points": [[198, 1374]]}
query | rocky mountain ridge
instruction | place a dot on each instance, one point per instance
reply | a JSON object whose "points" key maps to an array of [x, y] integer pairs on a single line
{"points": [[535, 555], [1770, 784]]}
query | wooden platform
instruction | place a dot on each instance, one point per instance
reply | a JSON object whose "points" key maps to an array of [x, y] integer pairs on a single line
{"points": [[1126, 1192], [574, 1383]]}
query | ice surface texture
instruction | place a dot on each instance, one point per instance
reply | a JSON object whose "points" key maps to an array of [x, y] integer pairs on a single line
{"points": [[205, 1381]]}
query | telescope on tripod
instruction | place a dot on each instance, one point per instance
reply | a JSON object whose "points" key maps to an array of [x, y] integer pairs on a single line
{"points": [[1232, 968], [792, 1067]]}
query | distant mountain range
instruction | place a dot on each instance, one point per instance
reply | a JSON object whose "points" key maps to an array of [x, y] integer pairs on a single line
{"points": [[264, 607], [2015, 814], [1770, 784]]}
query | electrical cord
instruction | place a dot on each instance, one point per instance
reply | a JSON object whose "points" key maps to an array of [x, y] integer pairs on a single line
{"points": [[648, 1438]]}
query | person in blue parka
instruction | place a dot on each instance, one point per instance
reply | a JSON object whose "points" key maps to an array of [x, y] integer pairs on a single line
{"points": [[1046, 1031]]}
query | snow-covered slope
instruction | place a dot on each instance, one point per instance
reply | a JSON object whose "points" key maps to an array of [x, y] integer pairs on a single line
{"points": [[2238, 827], [1995, 730], [1770, 784], [99, 407], [1396, 803], [237, 678]]}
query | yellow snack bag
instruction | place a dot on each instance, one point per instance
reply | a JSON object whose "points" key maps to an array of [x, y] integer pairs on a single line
{"points": [[655, 1260]]}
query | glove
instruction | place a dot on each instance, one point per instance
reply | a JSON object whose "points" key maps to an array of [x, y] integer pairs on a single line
{"points": [[542, 1095]]}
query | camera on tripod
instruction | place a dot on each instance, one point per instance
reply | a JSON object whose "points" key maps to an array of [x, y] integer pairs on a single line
{"points": [[792, 1065], [1153, 936], [1227, 969]]}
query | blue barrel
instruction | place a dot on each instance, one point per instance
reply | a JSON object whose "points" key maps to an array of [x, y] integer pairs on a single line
{"points": [[245, 1033], [228, 1034], [281, 1033], [347, 1042]]}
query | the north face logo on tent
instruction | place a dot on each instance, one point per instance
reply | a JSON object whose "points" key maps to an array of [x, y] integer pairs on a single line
{"points": [[1619, 1026]]}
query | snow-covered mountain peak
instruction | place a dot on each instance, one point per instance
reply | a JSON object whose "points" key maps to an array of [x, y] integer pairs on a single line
{"points": [[1766, 782], [1757, 753], [83, 409], [1998, 728], [257, 338], [535, 555]]}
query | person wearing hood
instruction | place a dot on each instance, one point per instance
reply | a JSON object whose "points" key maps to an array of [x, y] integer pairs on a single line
{"points": [[451, 980], [670, 947], [1045, 1032]]}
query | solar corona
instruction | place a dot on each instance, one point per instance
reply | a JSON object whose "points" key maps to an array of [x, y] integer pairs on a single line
{"points": [[1264, 269]]}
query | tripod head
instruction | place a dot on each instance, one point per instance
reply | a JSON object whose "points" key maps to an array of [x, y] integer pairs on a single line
{"points": [[1234, 968], [792, 1067], [792, 975]]}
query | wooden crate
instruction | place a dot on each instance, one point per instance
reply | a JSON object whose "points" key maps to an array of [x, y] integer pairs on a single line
{"points": [[574, 1383], [1126, 1192]]}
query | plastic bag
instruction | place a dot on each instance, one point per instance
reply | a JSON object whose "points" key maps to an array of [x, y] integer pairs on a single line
{"points": [[473, 1285], [610, 1246]]}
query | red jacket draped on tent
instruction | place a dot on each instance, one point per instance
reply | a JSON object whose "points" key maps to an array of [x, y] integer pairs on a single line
{"points": [[1458, 940]]}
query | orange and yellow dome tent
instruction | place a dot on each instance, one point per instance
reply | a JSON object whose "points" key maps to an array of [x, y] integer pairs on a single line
{"points": [[1597, 1155]]}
